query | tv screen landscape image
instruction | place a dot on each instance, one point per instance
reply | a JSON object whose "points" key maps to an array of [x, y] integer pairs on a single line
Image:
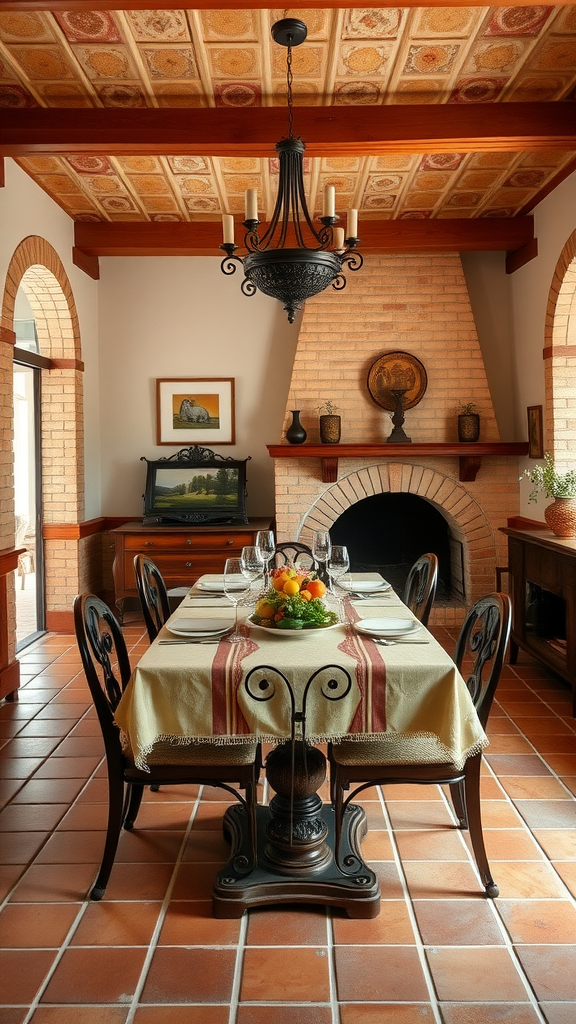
{"points": [[195, 488]]}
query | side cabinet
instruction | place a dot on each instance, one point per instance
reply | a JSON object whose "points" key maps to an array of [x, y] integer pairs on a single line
{"points": [[182, 554]]}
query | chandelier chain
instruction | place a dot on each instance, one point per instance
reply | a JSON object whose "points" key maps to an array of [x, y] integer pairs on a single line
{"points": [[289, 79]]}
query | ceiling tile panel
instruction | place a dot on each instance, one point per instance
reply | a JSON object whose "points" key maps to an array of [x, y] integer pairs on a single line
{"points": [[158, 26], [89, 27], [16, 27]]}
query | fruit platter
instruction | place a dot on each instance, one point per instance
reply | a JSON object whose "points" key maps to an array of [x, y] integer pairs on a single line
{"points": [[293, 603]]}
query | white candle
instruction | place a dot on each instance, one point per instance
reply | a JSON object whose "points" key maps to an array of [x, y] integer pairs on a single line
{"points": [[228, 228], [329, 208], [339, 238], [352, 223], [251, 204]]}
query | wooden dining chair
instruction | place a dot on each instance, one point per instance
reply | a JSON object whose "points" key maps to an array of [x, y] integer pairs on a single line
{"points": [[152, 593], [298, 555], [420, 589], [479, 655], [107, 669]]}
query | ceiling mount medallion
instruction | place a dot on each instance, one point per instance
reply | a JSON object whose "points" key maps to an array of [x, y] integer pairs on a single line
{"points": [[281, 263]]}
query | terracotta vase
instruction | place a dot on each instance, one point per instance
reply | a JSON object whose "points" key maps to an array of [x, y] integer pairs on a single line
{"points": [[561, 517]]}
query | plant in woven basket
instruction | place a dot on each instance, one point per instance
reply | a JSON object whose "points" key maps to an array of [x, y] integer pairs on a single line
{"points": [[547, 480]]}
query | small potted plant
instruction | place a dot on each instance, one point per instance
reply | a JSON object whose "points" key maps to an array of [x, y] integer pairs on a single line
{"points": [[468, 422], [329, 423], [561, 514]]}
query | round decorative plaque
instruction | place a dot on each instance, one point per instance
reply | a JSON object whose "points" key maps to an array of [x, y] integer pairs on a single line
{"points": [[401, 371]]}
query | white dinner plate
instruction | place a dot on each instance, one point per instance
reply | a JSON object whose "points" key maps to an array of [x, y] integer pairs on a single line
{"points": [[365, 586], [387, 627], [217, 586], [199, 627], [293, 634]]}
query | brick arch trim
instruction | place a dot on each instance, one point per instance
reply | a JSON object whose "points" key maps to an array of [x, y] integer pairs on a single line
{"points": [[559, 355], [465, 516], [49, 292]]}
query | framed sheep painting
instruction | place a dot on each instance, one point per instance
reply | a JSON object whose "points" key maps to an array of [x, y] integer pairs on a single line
{"points": [[195, 410]]}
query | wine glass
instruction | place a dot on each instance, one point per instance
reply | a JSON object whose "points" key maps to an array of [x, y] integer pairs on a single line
{"points": [[252, 562], [321, 548], [236, 586], [266, 545], [338, 564]]}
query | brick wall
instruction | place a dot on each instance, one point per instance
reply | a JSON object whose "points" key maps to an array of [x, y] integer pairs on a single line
{"points": [[418, 304]]}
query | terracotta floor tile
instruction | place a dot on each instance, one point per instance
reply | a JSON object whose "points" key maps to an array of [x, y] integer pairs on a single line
{"points": [[31, 817], [548, 726], [559, 1013], [170, 815], [55, 791], [9, 874], [181, 1015], [567, 872], [178, 794], [20, 847], [508, 743], [389, 879], [36, 926], [46, 883], [80, 746], [22, 972], [195, 975], [555, 744], [500, 814], [67, 768], [408, 791], [528, 880], [117, 924], [530, 787], [9, 788], [516, 764], [376, 845], [95, 976], [62, 710], [138, 881], [533, 921], [14, 1014], [34, 746], [426, 844], [489, 1013], [562, 764], [392, 926], [379, 973], [418, 814], [548, 813], [87, 727], [478, 974], [551, 970], [55, 727], [284, 1015], [457, 922], [507, 844], [281, 975], [208, 847], [442, 880], [385, 1013], [208, 816], [73, 848], [192, 923], [287, 926], [20, 767], [85, 817], [559, 844]]}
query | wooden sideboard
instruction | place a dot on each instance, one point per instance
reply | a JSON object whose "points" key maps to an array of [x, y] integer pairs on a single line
{"points": [[543, 588], [182, 553]]}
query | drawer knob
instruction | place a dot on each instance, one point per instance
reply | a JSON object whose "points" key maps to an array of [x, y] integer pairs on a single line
{"points": [[188, 541], [148, 544], [229, 541], [188, 565]]}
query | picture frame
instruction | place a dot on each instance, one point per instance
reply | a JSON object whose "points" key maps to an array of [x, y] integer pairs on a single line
{"points": [[535, 432], [195, 410]]}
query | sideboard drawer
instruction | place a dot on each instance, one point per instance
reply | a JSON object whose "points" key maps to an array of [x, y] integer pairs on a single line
{"points": [[184, 541]]}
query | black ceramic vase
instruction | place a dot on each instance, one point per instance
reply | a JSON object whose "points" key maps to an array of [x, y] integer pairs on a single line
{"points": [[296, 433]]}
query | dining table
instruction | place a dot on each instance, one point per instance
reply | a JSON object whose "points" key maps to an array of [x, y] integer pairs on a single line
{"points": [[296, 690]]}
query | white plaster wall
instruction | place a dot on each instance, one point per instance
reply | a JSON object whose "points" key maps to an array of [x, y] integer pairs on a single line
{"points": [[555, 220], [181, 317], [26, 210]]}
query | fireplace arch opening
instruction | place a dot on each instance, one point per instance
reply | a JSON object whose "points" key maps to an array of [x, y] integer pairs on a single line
{"points": [[387, 532]]}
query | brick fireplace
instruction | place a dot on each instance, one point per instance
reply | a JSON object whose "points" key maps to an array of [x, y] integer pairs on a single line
{"points": [[419, 304]]}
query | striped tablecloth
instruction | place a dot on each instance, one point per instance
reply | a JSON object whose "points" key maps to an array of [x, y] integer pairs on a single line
{"points": [[408, 693]]}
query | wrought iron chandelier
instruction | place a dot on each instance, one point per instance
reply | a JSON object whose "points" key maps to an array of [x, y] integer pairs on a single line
{"points": [[292, 274]]}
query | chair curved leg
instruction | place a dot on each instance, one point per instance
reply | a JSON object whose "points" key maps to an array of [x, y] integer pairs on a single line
{"points": [[472, 804], [116, 805], [459, 803], [135, 799]]}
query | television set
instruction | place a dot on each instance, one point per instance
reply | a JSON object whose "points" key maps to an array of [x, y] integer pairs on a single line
{"points": [[195, 486]]}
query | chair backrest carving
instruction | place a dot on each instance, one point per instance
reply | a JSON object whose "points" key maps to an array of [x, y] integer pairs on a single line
{"points": [[152, 593], [482, 645], [104, 659], [420, 589], [296, 554]]}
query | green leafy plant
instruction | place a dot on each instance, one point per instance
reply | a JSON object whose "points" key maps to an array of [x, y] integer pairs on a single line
{"points": [[552, 484], [328, 409], [467, 408]]}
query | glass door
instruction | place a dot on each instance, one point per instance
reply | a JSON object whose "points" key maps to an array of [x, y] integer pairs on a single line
{"points": [[30, 609]]}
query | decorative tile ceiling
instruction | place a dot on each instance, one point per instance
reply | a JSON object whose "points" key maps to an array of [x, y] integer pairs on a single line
{"points": [[226, 58]]}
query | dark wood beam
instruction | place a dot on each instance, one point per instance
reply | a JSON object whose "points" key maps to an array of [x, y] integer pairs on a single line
{"points": [[328, 131], [89, 264], [379, 236], [232, 5], [522, 256]]}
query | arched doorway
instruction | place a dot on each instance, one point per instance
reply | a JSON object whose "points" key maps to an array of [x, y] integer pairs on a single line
{"points": [[560, 357]]}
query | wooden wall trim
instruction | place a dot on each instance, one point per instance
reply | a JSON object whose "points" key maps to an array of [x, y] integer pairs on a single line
{"points": [[569, 351], [67, 364], [521, 523], [9, 560], [77, 531], [7, 336], [519, 258], [60, 622]]}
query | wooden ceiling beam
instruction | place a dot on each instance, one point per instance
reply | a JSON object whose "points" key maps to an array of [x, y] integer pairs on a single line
{"points": [[377, 237], [328, 131], [234, 5]]}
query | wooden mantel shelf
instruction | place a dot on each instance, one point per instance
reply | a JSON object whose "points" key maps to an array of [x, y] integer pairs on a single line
{"points": [[469, 455]]}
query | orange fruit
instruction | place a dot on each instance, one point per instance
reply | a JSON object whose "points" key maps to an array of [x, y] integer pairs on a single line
{"points": [[305, 595], [279, 581], [291, 587], [316, 588], [265, 609]]}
